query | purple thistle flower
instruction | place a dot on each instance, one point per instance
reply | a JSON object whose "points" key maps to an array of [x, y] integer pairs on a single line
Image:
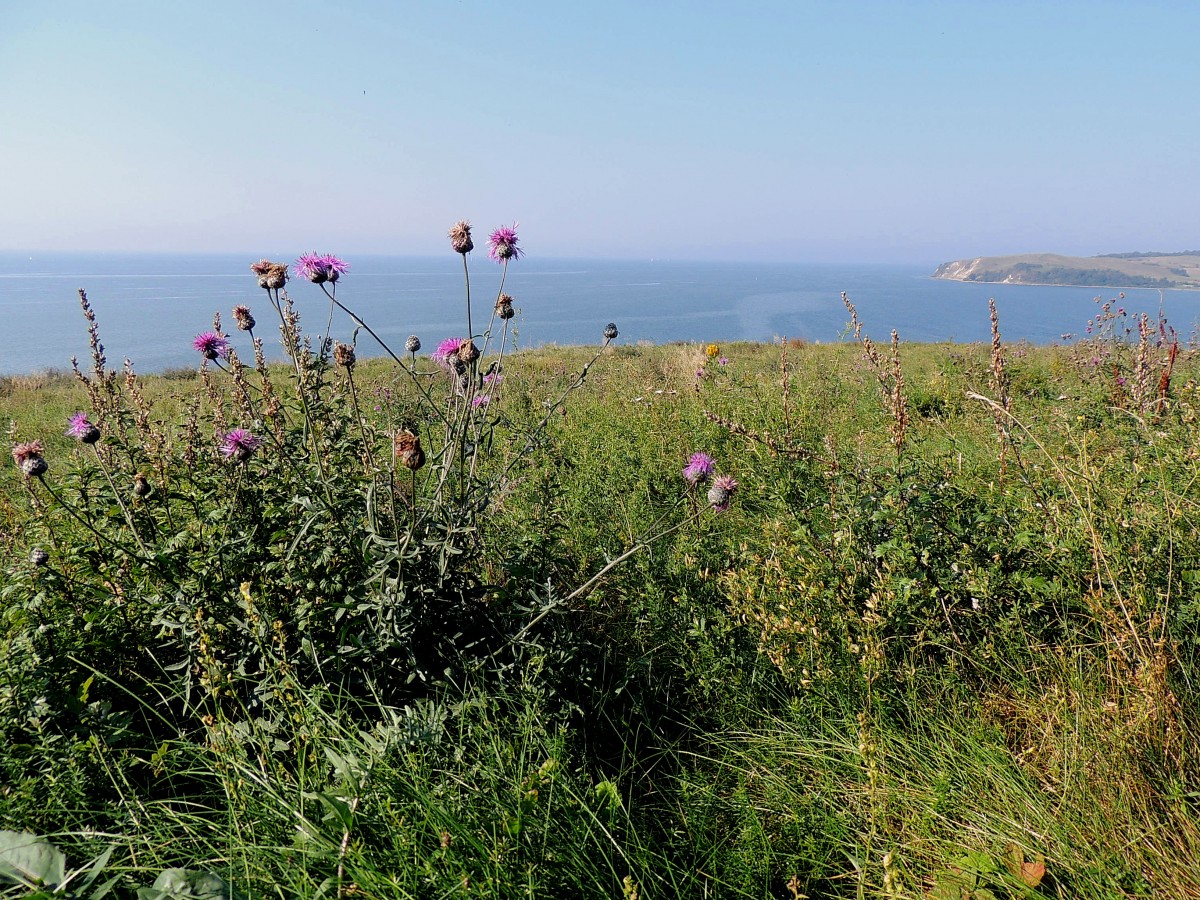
{"points": [[723, 361], [81, 429], [493, 378], [445, 350], [502, 244], [211, 345], [480, 400], [321, 267], [699, 468], [720, 495], [237, 445]]}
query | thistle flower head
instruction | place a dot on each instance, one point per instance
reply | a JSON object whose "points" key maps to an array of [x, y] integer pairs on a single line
{"points": [[502, 244], [720, 495], [39, 557], [413, 344], [504, 306], [480, 400], [460, 237], [81, 429], [245, 321], [699, 468], [320, 267], [28, 457], [141, 485], [271, 275], [610, 331], [445, 350], [407, 448], [468, 352], [237, 445], [211, 345], [343, 355], [722, 360]]}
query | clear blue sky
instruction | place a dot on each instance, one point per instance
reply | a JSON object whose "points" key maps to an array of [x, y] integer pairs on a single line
{"points": [[682, 129]]}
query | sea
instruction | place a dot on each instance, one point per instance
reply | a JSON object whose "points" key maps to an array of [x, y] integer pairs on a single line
{"points": [[151, 306]]}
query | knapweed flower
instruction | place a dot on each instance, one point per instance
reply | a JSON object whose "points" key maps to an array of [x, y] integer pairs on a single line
{"points": [[211, 345], [245, 321], [712, 351], [502, 244], [720, 495], [39, 557], [343, 355], [413, 344], [722, 360], [28, 457], [699, 468], [407, 448], [610, 331], [271, 275], [237, 445], [81, 429], [320, 267], [460, 237], [480, 400], [445, 350], [493, 377], [504, 306]]}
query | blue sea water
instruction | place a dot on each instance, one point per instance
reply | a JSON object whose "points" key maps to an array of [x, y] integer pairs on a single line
{"points": [[151, 306]]}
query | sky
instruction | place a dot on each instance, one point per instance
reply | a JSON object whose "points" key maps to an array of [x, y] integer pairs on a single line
{"points": [[675, 129]]}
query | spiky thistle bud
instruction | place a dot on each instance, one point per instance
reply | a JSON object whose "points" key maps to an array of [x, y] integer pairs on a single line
{"points": [[413, 344], [141, 485], [720, 495], [39, 557]]}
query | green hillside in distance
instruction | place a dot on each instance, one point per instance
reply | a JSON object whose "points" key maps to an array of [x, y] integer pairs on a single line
{"points": [[1116, 270]]}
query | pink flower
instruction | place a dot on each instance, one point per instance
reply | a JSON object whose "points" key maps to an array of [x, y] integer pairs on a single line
{"points": [[723, 361], [445, 350], [699, 468], [480, 400], [502, 245], [237, 445], [81, 429], [321, 267], [211, 345], [720, 495]]}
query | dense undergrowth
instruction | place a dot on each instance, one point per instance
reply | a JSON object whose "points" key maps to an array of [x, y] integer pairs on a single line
{"points": [[942, 642]]}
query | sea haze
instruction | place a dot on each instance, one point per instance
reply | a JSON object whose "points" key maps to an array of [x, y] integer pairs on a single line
{"points": [[151, 306]]}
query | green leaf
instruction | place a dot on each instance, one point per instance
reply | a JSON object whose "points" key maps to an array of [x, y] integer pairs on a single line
{"points": [[29, 860], [185, 884]]}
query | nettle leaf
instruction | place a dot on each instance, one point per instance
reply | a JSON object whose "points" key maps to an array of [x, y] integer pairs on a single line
{"points": [[30, 860]]}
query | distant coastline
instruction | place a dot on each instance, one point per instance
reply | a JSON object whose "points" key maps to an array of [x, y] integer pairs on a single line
{"points": [[1162, 271]]}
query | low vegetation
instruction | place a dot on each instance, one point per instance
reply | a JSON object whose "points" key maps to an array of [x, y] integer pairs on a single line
{"points": [[851, 620]]}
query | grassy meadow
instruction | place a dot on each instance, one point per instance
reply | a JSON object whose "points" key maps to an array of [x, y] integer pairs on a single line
{"points": [[942, 643]]}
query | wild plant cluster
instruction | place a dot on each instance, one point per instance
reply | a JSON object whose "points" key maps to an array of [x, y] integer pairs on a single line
{"points": [[803, 621]]}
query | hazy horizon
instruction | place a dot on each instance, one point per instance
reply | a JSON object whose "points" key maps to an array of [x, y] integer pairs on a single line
{"points": [[792, 131]]}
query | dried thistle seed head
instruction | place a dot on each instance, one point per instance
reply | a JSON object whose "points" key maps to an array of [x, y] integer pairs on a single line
{"points": [[245, 321], [39, 557], [413, 344], [720, 495], [460, 237], [504, 306], [28, 457], [468, 352], [610, 331], [141, 485], [343, 355], [407, 447]]}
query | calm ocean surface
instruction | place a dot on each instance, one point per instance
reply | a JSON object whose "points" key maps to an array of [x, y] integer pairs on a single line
{"points": [[151, 306]]}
